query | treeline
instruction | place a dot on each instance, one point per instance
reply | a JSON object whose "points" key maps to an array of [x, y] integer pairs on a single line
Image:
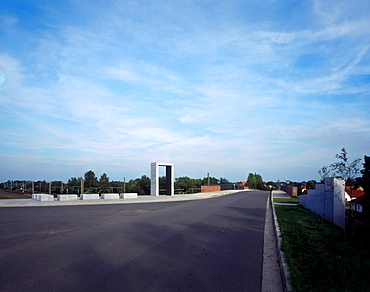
{"points": [[140, 185], [93, 184]]}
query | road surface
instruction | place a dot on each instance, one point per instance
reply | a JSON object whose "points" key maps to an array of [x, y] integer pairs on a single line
{"points": [[202, 245]]}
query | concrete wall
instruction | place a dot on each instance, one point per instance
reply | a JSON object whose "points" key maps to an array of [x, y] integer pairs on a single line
{"points": [[207, 189], [327, 200]]}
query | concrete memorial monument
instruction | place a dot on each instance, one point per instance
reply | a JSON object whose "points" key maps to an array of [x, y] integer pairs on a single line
{"points": [[170, 177]]}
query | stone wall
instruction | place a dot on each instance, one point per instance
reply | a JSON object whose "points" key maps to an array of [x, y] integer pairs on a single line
{"points": [[327, 200]]}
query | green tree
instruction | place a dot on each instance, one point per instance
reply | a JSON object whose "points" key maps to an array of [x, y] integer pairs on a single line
{"points": [[90, 179], [311, 185], [162, 185], [141, 186], [345, 169], [259, 180], [251, 181], [187, 184], [212, 181], [74, 181], [255, 181], [104, 183], [224, 180], [144, 184]]}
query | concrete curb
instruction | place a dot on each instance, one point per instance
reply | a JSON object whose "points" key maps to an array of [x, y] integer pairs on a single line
{"points": [[285, 274]]}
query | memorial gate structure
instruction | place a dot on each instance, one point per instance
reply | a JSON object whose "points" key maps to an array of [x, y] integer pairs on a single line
{"points": [[170, 178]]}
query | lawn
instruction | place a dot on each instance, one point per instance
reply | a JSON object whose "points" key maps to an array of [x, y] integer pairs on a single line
{"points": [[292, 200], [319, 255]]}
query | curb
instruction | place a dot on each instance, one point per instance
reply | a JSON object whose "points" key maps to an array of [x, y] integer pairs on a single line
{"points": [[284, 269]]}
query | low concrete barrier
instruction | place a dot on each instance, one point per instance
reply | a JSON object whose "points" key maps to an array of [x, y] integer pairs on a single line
{"points": [[128, 195], [89, 197], [35, 196], [45, 198], [110, 196], [67, 197]]}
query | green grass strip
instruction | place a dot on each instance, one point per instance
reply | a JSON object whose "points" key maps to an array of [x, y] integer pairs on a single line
{"points": [[319, 256], [293, 200]]}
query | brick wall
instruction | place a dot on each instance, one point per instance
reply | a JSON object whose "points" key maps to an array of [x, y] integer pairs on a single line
{"points": [[291, 191], [207, 189]]}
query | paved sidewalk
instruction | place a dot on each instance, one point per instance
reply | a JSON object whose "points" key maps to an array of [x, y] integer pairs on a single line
{"points": [[140, 199], [280, 194]]}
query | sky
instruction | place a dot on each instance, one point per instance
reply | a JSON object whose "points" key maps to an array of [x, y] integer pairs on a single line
{"points": [[220, 87]]}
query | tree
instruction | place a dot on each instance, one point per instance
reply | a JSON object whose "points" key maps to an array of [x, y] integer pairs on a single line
{"points": [[212, 181], [141, 186], [144, 184], [224, 181], [90, 179], [345, 169], [104, 183], [251, 181], [311, 185], [255, 181], [187, 184], [74, 181], [259, 181], [324, 172]]}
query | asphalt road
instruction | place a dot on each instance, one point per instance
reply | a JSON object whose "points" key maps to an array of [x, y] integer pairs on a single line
{"points": [[202, 245]]}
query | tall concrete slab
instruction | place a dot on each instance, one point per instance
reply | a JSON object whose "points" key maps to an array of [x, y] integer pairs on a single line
{"points": [[311, 194], [339, 216], [328, 199], [303, 200], [320, 199], [335, 201]]}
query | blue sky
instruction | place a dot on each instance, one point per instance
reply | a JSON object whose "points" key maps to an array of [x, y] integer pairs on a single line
{"points": [[225, 87]]}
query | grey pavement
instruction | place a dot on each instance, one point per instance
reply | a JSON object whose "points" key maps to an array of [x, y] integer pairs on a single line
{"points": [[270, 272]]}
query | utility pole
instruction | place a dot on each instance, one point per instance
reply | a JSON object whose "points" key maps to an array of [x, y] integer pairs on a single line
{"points": [[208, 179], [33, 187], [124, 185], [82, 187], [49, 188]]}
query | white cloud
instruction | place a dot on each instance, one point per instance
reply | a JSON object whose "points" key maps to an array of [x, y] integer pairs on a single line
{"points": [[113, 87]]}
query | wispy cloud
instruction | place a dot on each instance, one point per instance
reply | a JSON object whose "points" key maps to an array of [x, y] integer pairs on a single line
{"points": [[114, 85]]}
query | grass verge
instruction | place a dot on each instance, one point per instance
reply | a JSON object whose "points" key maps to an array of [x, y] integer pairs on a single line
{"points": [[292, 200], [319, 255]]}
